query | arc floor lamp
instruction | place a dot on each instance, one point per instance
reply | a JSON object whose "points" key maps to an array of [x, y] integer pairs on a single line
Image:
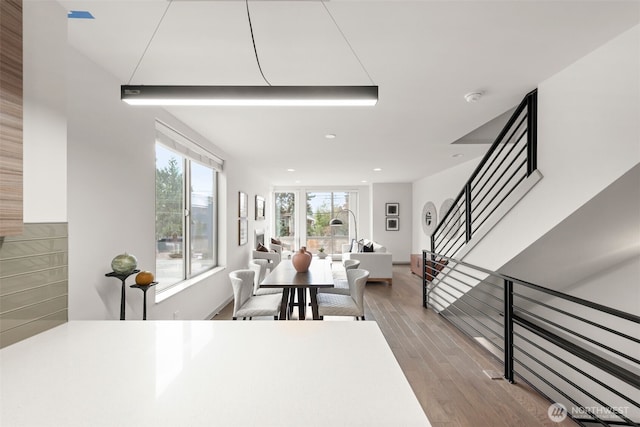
{"points": [[336, 222]]}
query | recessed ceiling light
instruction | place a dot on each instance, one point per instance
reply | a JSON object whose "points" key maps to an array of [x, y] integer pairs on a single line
{"points": [[298, 181], [330, 136], [473, 96], [458, 155], [291, 170], [377, 169], [364, 181]]}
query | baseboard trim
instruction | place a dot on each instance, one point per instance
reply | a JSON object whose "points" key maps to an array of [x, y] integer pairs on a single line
{"points": [[215, 312]]}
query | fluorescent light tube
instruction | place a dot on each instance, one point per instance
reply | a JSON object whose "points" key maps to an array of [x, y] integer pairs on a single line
{"points": [[250, 95]]}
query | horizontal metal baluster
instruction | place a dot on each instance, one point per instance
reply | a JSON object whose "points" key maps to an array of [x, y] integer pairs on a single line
{"points": [[581, 336], [490, 191], [466, 295], [563, 394], [575, 368], [571, 383], [480, 334], [582, 319], [497, 168], [497, 206]]}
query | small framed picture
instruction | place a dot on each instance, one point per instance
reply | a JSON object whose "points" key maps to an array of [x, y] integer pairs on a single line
{"points": [[259, 207], [243, 202], [243, 231], [393, 223], [393, 209]]}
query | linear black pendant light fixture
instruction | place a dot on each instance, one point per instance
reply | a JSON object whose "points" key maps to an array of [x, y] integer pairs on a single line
{"points": [[267, 95]]}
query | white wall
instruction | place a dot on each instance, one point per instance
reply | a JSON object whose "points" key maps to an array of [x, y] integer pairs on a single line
{"points": [[45, 125], [111, 164], [580, 248], [588, 136], [241, 178], [397, 242], [437, 188], [620, 282]]}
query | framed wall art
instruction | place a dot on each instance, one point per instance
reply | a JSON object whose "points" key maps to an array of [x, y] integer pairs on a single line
{"points": [[243, 205], [259, 207], [243, 231], [393, 223], [392, 209]]}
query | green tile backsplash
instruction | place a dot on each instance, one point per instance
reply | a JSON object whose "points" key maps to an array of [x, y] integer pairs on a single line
{"points": [[33, 281]]}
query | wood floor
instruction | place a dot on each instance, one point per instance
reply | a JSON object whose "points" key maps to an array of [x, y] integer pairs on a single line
{"points": [[443, 366]]}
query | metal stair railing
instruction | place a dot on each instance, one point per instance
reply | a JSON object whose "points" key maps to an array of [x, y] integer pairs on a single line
{"points": [[581, 355], [509, 161]]}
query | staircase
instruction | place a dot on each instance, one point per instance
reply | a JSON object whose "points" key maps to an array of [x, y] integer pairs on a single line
{"points": [[506, 173], [580, 354]]}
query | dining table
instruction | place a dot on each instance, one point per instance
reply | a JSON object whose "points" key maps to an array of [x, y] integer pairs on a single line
{"points": [[285, 276]]}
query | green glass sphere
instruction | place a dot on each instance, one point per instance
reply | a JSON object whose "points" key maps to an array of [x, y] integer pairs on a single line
{"points": [[124, 263]]}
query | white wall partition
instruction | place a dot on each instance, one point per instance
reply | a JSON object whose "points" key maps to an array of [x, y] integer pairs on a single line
{"points": [[587, 138], [45, 124]]}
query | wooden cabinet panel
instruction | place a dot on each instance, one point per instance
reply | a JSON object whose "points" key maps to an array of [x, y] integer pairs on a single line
{"points": [[416, 264], [11, 215]]}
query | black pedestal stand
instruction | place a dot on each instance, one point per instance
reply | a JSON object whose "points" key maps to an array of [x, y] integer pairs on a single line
{"points": [[144, 289], [123, 278]]}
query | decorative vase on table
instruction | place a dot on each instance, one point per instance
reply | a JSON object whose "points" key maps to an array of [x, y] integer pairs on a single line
{"points": [[124, 264], [301, 260]]}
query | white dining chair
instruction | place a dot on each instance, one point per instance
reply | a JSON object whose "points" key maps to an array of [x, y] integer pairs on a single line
{"points": [[259, 267], [245, 304], [351, 264], [273, 258], [346, 305], [341, 286]]}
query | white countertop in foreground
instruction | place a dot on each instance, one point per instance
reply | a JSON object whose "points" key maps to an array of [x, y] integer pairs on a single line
{"points": [[206, 373]]}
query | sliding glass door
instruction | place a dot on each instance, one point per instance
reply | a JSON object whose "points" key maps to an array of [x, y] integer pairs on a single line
{"points": [[321, 207], [302, 219]]}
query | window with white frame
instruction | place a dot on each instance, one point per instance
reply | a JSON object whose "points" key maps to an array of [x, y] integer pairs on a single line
{"points": [[302, 217], [321, 207], [186, 208]]}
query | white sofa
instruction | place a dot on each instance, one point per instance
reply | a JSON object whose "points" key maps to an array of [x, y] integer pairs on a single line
{"points": [[274, 256], [284, 253], [378, 263]]}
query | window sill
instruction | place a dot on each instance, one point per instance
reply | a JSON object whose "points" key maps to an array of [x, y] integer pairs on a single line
{"points": [[181, 286]]}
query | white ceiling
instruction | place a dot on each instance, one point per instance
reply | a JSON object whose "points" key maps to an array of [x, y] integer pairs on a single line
{"points": [[424, 55]]}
